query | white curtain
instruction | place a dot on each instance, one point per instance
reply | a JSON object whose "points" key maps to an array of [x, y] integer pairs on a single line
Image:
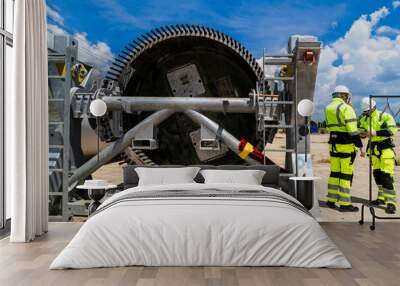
{"points": [[26, 124]]}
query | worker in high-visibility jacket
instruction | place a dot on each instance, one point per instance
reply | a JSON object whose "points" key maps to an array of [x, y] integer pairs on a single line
{"points": [[380, 127], [344, 140]]}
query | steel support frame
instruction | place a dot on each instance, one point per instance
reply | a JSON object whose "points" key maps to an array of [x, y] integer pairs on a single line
{"points": [[70, 59], [68, 56], [116, 147], [368, 205], [156, 118]]}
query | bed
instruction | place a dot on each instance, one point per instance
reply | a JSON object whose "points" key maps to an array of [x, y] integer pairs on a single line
{"points": [[201, 224]]}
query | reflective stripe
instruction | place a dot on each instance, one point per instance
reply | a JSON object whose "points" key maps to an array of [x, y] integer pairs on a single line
{"points": [[351, 120], [355, 133], [380, 193], [333, 196], [390, 199], [333, 193], [389, 192], [391, 126], [338, 114], [345, 190], [345, 199], [381, 115], [333, 187]]}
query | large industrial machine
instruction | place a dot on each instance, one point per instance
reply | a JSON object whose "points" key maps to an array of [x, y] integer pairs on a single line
{"points": [[185, 94]]}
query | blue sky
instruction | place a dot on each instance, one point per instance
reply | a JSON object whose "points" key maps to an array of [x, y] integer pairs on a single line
{"points": [[108, 25], [257, 24]]}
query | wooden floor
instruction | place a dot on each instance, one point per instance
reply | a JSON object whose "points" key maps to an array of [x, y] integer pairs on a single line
{"points": [[375, 257]]}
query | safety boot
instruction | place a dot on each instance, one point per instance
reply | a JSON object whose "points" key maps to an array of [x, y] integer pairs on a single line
{"points": [[377, 202], [331, 205], [349, 208], [390, 209]]}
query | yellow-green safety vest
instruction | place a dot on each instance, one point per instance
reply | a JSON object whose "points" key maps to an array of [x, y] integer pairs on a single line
{"points": [[383, 123], [340, 117]]}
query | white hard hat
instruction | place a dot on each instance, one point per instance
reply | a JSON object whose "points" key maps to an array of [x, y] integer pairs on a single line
{"points": [[341, 89], [365, 104]]}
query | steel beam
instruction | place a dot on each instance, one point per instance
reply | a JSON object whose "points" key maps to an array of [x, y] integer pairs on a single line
{"points": [[221, 133], [117, 147], [278, 60], [71, 53], [130, 104]]}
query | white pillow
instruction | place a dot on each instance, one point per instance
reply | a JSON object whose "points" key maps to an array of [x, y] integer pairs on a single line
{"points": [[166, 176], [245, 177]]}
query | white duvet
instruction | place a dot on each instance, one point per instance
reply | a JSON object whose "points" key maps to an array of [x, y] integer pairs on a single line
{"points": [[188, 231]]}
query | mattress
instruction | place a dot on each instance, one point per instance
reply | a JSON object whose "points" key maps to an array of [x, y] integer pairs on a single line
{"points": [[201, 225]]}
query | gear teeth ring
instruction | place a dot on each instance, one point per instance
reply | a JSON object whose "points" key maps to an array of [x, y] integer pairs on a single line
{"points": [[157, 35]]}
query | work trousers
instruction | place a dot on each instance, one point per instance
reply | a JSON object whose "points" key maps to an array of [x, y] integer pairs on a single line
{"points": [[339, 183], [383, 163]]}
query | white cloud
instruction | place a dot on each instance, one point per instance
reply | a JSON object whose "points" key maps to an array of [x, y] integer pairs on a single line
{"points": [[56, 30], [53, 14], [378, 15], [366, 59], [387, 30], [97, 54], [396, 4]]}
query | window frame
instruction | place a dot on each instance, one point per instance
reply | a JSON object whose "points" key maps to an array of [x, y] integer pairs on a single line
{"points": [[6, 39]]}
